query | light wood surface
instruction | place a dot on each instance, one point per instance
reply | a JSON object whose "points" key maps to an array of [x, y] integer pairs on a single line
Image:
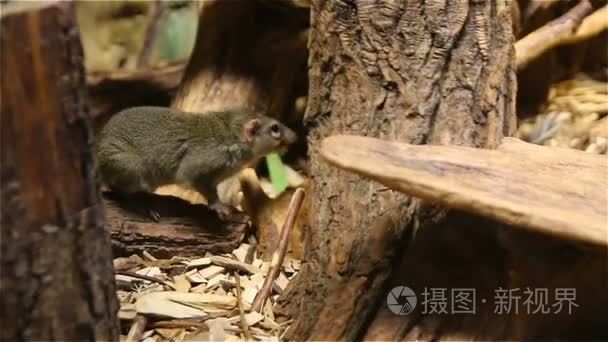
{"points": [[556, 191]]}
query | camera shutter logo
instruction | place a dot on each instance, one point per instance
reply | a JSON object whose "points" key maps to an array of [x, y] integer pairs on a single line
{"points": [[401, 300]]}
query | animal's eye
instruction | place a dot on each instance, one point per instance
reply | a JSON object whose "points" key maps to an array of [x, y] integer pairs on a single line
{"points": [[275, 131]]}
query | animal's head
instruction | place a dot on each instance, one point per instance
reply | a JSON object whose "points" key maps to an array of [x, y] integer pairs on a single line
{"points": [[266, 135]]}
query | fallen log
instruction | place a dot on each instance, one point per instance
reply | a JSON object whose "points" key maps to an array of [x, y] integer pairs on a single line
{"points": [[182, 228]]}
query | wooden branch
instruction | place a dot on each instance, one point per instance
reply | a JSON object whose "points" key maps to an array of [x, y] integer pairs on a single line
{"points": [[146, 277], [591, 26], [183, 228], [182, 323], [253, 244], [137, 328], [239, 300], [109, 92], [154, 26], [279, 253], [552, 34], [193, 322], [167, 77], [232, 264], [556, 191]]}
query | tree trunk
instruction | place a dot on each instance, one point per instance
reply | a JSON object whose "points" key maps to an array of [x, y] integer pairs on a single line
{"points": [[57, 276], [420, 72], [247, 55]]}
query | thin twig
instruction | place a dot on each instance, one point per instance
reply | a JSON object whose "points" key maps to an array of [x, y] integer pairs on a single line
{"points": [[239, 300], [137, 328], [146, 277], [233, 265], [544, 130], [146, 255], [251, 250], [188, 323], [550, 35], [279, 253], [180, 323], [152, 30]]}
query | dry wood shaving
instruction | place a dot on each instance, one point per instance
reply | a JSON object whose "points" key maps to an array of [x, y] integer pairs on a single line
{"points": [[575, 115], [201, 304]]}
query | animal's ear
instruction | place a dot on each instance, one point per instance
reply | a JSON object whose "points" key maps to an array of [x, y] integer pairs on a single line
{"points": [[250, 128]]}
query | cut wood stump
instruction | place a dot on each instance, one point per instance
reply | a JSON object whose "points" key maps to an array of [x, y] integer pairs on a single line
{"points": [[56, 264], [182, 228], [557, 191]]}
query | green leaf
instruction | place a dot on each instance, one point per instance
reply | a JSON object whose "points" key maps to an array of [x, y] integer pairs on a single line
{"points": [[277, 172]]}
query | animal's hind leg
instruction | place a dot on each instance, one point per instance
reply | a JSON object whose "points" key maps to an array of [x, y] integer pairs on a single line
{"points": [[123, 175], [122, 172]]}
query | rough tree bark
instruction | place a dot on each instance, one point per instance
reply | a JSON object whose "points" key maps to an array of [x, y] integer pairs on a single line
{"points": [[247, 55], [421, 72], [183, 228], [57, 277]]}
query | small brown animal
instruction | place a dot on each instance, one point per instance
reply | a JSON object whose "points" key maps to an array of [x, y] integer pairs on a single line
{"points": [[142, 148]]}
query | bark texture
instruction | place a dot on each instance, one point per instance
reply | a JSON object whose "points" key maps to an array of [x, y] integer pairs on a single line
{"points": [[420, 72], [247, 55], [57, 277], [182, 228], [503, 184]]}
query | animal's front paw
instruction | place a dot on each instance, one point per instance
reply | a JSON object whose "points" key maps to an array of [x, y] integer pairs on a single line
{"points": [[154, 215], [223, 211]]}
